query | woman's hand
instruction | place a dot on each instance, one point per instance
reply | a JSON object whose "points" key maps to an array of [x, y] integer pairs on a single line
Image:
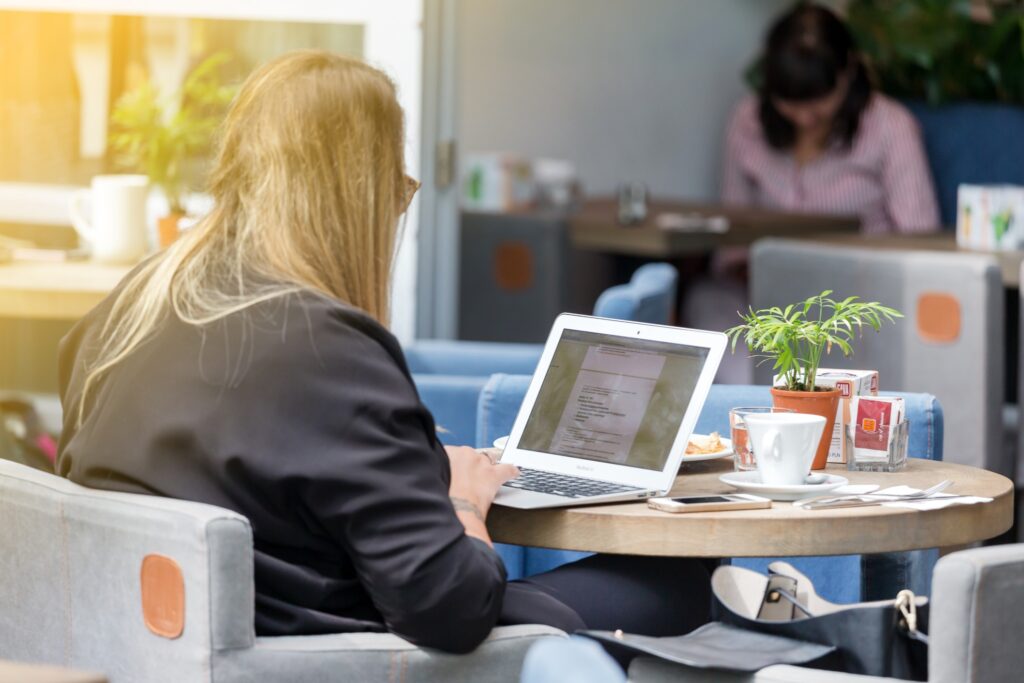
{"points": [[475, 482]]}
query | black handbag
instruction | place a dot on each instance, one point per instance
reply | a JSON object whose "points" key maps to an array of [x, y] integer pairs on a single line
{"points": [[713, 646], [882, 638], [780, 619]]}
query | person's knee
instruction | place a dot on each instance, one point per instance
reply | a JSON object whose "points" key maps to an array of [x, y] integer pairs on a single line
{"points": [[526, 603]]}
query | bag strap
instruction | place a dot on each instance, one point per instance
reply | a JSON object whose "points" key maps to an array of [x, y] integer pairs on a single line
{"points": [[906, 605], [780, 601]]}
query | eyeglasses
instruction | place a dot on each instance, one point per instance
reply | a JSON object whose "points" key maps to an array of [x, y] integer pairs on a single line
{"points": [[411, 186]]}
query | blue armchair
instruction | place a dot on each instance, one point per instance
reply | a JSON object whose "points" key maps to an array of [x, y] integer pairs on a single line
{"points": [[648, 297], [840, 579], [452, 400]]}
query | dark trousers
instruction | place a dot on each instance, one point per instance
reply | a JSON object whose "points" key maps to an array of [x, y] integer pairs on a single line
{"points": [[651, 596]]}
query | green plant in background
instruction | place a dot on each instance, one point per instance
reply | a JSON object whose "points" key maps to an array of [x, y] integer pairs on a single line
{"points": [[943, 50], [797, 337], [157, 136]]}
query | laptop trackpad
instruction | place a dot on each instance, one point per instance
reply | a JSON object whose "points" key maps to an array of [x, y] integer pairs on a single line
{"points": [[517, 498]]}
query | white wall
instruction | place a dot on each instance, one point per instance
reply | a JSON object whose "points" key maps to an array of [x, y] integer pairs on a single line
{"points": [[629, 90]]}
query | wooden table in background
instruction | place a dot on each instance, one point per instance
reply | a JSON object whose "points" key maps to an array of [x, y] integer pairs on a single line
{"points": [[55, 291], [782, 530], [595, 227]]}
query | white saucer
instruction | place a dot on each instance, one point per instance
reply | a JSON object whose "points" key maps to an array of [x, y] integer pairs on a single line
{"points": [[750, 482], [724, 452], [500, 442]]}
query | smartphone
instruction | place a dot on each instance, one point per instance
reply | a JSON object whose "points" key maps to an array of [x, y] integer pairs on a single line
{"points": [[732, 501]]}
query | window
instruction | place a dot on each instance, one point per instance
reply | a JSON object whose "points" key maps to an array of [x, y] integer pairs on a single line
{"points": [[64, 71], [63, 63]]}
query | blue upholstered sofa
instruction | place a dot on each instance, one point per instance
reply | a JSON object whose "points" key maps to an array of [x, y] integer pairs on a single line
{"points": [[648, 297], [970, 142], [838, 578], [450, 374]]}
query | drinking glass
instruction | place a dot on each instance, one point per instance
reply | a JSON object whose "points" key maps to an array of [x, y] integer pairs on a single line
{"points": [[743, 457]]}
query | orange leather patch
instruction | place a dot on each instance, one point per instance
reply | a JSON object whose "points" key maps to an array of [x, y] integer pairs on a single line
{"points": [[513, 266], [163, 596], [938, 317]]}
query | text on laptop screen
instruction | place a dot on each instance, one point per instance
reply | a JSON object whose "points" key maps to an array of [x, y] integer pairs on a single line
{"points": [[613, 399]]}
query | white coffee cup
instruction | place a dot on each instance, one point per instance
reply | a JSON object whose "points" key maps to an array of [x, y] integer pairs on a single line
{"points": [[116, 230], [784, 445]]}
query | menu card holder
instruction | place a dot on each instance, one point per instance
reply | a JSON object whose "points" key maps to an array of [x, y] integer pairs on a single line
{"points": [[883, 449]]}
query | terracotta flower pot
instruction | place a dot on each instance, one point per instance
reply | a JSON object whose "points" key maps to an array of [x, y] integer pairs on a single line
{"points": [[824, 403], [167, 229]]}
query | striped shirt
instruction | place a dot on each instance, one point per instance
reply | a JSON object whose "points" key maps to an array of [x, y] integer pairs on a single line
{"points": [[882, 177]]}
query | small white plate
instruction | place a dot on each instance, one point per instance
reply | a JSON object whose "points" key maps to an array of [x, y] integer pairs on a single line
{"points": [[725, 451], [750, 482]]}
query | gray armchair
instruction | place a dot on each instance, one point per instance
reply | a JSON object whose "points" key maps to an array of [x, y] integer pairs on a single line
{"points": [[976, 619], [951, 344], [151, 589]]}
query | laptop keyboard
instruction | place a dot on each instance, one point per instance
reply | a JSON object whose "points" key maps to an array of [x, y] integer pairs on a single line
{"points": [[564, 485]]}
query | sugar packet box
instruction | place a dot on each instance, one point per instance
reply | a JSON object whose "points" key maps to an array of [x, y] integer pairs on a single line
{"points": [[875, 418], [850, 383]]}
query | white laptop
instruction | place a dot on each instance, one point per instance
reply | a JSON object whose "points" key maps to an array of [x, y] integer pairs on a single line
{"points": [[609, 412]]}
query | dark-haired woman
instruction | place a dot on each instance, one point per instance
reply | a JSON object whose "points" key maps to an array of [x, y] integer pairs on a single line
{"points": [[817, 137]]}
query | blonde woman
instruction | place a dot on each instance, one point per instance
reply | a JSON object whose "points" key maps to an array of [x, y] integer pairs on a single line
{"points": [[249, 366]]}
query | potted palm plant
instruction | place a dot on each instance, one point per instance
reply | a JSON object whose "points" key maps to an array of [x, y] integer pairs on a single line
{"points": [[158, 136], [796, 339]]}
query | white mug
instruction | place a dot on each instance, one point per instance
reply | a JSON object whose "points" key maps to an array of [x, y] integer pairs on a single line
{"points": [[784, 445], [116, 232]]}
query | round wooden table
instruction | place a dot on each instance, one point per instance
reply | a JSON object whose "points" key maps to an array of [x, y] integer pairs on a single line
{"points": [[782, 530]]}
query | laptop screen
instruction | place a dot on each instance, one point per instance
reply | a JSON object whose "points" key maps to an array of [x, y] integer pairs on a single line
{"points": [[613, 399]]}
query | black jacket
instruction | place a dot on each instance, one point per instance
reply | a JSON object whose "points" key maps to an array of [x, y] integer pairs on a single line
{"points": [[300, 414]]}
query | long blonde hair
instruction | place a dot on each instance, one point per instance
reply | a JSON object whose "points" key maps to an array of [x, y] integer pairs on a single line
{"points": [[307, 183]]}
